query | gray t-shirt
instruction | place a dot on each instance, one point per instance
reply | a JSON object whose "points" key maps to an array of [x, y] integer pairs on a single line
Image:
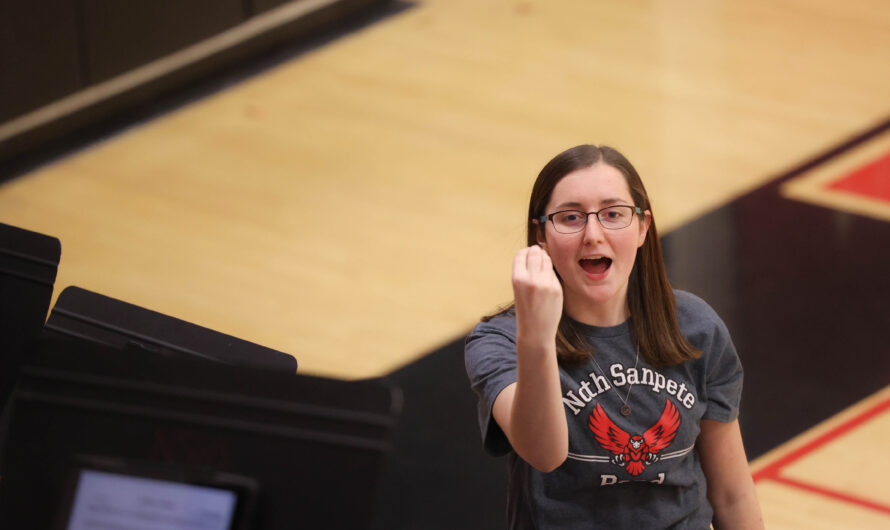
{"points": [[638, 471]]}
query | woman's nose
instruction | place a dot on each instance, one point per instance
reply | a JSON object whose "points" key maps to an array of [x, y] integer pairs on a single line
{"points": [[593, 230]]}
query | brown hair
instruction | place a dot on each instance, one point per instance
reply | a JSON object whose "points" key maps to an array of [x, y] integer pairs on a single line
{"points": [[650, 298]]}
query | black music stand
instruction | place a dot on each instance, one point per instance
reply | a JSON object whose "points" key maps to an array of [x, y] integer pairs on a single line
{"points": [[311, 448], [28, 265], [85, 315]]}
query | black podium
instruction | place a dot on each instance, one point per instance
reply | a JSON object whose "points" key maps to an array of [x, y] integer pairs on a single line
{"points": [[28, 265], [291, 451], [93, 317]]}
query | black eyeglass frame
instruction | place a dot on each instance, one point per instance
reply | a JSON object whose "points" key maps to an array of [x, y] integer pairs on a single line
{"points": [[549, 217]]}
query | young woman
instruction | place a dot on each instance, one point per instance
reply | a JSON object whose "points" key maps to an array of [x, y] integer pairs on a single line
{"points": [[614, 397]]}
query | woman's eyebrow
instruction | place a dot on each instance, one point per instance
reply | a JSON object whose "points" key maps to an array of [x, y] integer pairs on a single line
{"points": [[579, 206]]}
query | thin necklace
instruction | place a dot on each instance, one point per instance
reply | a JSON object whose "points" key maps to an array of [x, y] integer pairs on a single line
{"points": [[625, 408]]}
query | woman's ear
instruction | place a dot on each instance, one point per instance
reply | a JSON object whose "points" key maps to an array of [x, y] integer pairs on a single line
{"points": [[644, 227], [540, 236]]}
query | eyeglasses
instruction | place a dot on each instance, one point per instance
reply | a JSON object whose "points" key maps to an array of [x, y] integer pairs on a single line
{"points": [[612, 218]]}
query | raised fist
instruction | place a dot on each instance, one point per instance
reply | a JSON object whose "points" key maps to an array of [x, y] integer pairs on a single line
{"points": [[538, 296]]}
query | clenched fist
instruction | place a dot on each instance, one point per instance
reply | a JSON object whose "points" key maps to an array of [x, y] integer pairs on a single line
{"points": [[538, 296]]}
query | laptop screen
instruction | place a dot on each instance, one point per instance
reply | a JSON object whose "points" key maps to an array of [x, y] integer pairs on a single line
{"points": [[112, 500]]}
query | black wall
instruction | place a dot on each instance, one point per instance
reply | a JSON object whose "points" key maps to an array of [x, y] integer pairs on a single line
{"points": [[50, 49]]}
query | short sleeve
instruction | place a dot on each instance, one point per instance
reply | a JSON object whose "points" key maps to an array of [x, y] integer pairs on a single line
{"points": [[722, 369], [724, 379], [490, 358]]}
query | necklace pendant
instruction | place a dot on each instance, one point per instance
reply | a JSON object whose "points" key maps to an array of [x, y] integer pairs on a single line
{"points": [[625, 410]]}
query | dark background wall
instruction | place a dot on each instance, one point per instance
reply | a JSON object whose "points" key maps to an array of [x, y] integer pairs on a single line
{"points": [[53, 49], [39, 54]]}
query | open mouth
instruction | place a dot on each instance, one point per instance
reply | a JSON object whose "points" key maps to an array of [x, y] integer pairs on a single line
{"points": [[595, 265]]}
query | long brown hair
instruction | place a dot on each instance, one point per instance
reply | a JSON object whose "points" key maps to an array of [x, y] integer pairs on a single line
{"points": [[650, 298]]}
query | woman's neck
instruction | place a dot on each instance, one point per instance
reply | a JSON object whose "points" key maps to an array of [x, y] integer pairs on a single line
{"points": [[606, 314]]}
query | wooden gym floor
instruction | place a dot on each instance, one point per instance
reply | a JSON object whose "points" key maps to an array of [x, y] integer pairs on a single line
{"points": [[357, 203]]}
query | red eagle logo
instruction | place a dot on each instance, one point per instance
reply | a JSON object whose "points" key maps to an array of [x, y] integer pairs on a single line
{"points": [[635, 452]]}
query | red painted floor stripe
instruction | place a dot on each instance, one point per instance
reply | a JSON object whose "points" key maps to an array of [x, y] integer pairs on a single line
{"points": [[833, 494], [772, 470], [871, 180]]}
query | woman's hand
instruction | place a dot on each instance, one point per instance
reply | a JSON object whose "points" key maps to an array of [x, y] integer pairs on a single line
{"points": [[530, 411], [538, 296]]}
